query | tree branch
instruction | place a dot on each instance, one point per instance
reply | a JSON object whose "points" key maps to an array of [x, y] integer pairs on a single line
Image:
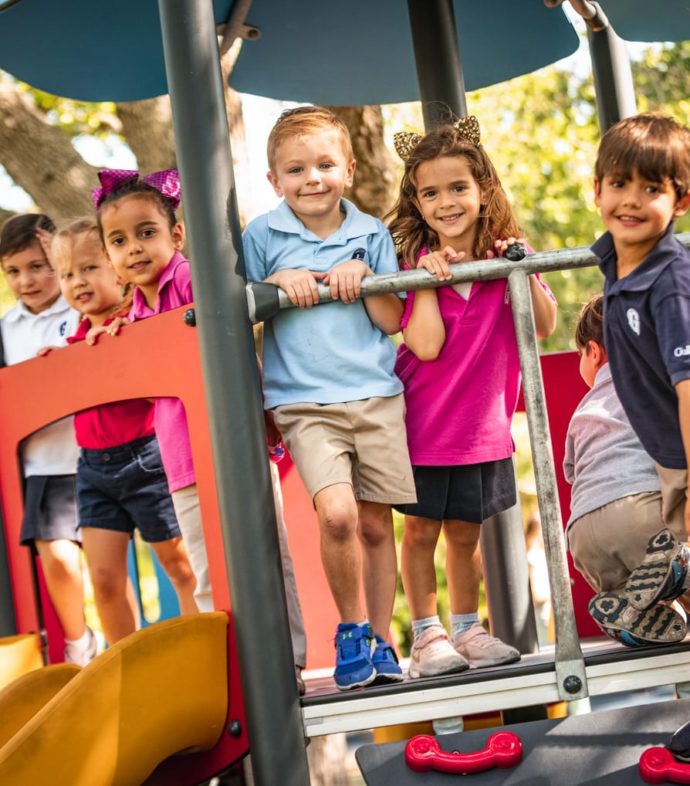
{"points": [[40, 158]]}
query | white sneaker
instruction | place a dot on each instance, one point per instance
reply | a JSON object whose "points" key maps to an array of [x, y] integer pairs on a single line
{"points": [[482, 650], [432, 655], [82, 655]]}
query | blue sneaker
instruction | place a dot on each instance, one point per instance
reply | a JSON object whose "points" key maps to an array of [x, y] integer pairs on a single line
{"points": [[353, 666], [386, 663]]}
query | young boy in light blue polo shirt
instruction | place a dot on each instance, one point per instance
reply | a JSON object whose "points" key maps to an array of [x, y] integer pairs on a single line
{"points": [[328, 376]]}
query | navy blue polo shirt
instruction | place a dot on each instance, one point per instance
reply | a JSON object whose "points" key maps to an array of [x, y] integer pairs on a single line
{"points": [[647, 335]]}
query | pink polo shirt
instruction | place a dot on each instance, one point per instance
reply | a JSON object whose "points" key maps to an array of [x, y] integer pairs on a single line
{"points": [[460, 406], [113, 424], [170, 420]]}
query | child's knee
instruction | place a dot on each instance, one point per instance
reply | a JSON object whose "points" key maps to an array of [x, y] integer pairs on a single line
{"points": [[420, 534], [108, 584], [375, 525], [177, 567], [338, 520]]}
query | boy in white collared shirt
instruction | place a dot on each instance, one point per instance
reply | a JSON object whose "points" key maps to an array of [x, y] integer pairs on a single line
{"points": [[328, 376], [41, 319]]}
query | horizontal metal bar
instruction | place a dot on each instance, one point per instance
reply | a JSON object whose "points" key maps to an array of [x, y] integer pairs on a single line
{"points": [[410, 280]]}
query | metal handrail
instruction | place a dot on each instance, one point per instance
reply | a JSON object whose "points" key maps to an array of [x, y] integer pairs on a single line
{"points": [[266, 300]]}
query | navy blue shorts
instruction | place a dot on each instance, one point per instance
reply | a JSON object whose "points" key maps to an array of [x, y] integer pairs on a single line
{"points": [[124, 488], [50, 509], [471, 492]]}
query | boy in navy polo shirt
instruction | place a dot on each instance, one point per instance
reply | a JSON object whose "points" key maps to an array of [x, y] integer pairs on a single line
{"points": [[329, 379], [642, 184]]}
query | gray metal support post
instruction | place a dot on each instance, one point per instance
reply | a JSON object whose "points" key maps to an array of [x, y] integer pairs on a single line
{"points": [[506, 580], [233, 396], [8, 622], [570, 667], [613, 82], [439, 67]]}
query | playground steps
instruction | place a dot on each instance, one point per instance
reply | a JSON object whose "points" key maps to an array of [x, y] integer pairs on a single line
{"points": [[610, 668], [600, 748]]}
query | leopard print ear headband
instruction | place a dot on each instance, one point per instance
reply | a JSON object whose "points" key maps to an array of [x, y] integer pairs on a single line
{"points": [[406, 141]]}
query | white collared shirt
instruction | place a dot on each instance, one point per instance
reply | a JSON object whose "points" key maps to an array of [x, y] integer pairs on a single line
{"points": [[53, 450]]}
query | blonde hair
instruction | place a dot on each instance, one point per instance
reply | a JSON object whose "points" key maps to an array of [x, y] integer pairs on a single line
{"points": [[63, 244], [303, 121], [496, 220], [66, 238]]}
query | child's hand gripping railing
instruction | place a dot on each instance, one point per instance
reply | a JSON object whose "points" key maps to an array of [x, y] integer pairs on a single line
{"points": [[266, 301]]}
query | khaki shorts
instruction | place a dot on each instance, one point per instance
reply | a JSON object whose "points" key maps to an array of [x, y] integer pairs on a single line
{"points": [[363, 443], [674, 486], [609, 542]]}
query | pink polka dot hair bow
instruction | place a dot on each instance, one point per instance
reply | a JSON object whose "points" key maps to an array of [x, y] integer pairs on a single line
{"points": [[167, 182]]}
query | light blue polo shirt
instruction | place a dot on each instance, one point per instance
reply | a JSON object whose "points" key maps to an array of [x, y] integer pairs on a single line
{"points": [[333, 352]]}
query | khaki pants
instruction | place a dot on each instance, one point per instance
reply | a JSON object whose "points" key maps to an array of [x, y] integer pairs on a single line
{"points": [[608, 543]]}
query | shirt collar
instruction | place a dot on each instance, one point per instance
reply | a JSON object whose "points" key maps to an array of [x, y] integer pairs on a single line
{"points": [[604, 374], [642, 278], [139, 301], [20, 311], [355, 224]]}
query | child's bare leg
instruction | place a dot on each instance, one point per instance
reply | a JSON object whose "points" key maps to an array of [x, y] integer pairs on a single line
{"points": [[62, 570], [340, 552], [172, 555], [463, 567], [379, 564], [106, 556], [417, 565]]}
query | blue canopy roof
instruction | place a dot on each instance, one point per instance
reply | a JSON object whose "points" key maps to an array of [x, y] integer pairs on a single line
{"points": [[320, 51]]}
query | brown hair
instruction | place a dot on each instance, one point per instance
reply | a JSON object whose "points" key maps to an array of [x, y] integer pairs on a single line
{"points": [[303, 121], [496, 221], [65, 240], [19, 232], [655, 146], [590, 324]]}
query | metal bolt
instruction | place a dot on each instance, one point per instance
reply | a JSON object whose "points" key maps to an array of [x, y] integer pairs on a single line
{"points": [[234, 728], [189, 317], [572, 684]]}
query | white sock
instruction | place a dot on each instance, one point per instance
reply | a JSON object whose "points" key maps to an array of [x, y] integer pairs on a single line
{"points": [[82, 642]]}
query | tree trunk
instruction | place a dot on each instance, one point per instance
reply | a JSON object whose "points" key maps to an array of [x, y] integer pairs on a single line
{"points": [[147, 127], [40, 158], [373, 190]]}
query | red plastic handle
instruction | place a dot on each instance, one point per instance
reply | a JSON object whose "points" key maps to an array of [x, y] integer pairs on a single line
{"points": [[657, 765], [503, 749]]}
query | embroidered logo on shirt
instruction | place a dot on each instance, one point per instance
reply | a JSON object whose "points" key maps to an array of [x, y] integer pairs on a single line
{"points": [[633, 320], [680, 351], [63, 328]]}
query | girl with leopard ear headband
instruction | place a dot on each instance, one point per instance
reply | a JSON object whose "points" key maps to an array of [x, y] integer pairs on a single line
{"points": [[461, 372]]}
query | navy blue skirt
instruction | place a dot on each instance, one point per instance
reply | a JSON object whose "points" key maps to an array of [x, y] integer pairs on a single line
{"points": [[471, 492]]}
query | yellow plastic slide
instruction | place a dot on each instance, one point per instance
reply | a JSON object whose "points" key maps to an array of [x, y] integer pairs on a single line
{"points": [[157, 692], [18, 655]]}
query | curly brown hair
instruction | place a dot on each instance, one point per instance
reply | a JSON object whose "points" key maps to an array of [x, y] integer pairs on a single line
{"points": [[496, 221]]}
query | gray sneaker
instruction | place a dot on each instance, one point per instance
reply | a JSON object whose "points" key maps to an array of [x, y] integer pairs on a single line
{"points": [[433, 655], [482, 650], [82, 657]]}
